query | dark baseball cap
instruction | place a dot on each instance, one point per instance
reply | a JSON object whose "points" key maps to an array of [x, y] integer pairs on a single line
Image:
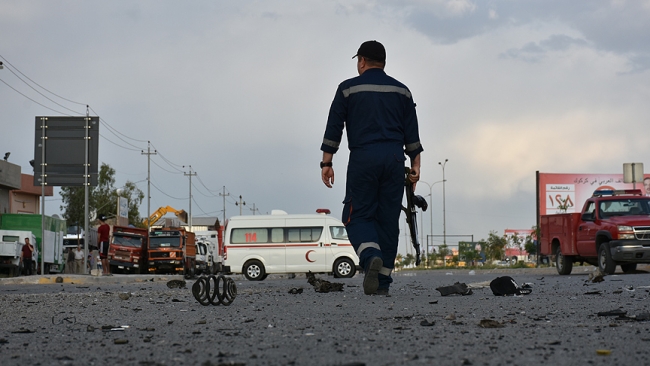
{"points": [[102, 217], [372, 50]]}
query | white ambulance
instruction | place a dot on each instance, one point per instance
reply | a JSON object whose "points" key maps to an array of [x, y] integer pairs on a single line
{"points": [[259, 245]]}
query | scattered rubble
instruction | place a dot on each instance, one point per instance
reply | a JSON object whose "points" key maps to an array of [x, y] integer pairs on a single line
{"points": [[323, 286]]}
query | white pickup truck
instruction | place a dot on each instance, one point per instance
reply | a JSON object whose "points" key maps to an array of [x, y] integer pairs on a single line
{"points": [[11, 244]]}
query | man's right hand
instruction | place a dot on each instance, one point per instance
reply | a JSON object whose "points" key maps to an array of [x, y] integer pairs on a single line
{"points": [[327, 174]]}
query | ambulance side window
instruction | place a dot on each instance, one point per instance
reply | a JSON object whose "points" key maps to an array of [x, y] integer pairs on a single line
{"points": [[304, 234], [277, 235], [338, 233], [249, 235]]}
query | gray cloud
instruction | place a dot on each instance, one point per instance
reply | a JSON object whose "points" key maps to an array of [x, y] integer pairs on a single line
{"points": [[617, 27], [535, 51]]}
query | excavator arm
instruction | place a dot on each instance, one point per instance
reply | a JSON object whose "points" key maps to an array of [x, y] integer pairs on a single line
{"points": [[162, 211]]}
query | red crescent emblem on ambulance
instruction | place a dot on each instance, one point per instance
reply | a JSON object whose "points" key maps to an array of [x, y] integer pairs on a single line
{"points": [[307, 256]]}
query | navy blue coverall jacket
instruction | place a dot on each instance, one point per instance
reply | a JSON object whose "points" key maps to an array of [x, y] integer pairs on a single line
{"points": [[378, 113]]}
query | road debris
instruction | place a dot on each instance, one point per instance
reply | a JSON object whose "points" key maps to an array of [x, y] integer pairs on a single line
{"points": [[295, 291], [426, 323], [176, 284], [456, 288], [489, 323], [507, 286], [323, 286]]}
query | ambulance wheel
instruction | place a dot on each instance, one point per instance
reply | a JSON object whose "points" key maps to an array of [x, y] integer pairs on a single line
{"points": [[344, 268], [254, 270]]}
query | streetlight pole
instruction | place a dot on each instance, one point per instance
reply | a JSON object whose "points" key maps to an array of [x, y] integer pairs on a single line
{"points": [[444, 214], [430, 215]]}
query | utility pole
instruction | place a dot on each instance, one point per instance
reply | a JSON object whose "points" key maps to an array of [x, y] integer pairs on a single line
{"points": [[240, 204], [254, 209], [149, 153], [444, 216], [190, 174], [224, 203]]}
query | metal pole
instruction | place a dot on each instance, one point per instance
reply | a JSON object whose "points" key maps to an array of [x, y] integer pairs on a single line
{"points": [[149, 153], [444, 213], [86, 195], [43, 126], [224, 203], [190, 174]]}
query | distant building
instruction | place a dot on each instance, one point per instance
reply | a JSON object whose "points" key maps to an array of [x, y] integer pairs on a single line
{"points": [[27, 199]]}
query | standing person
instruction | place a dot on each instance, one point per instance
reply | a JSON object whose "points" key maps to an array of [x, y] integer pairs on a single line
{"points": [[646, 186], [379, 115], [69, 262], [26, 256], [79, 260], [103, 235]]}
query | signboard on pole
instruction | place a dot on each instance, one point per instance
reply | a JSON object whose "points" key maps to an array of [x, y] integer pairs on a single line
{"points": [[122, 211], [64, 141]]}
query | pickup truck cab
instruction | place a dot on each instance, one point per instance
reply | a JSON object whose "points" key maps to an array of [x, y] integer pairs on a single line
{"points": [[612, 229]]}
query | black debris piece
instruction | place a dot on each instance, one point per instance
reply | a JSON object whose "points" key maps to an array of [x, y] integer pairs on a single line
{"points": [[616, 312], [295, 291], [456, 288], [323, 285], [176, 284], [426, 323], [489, 323], [507, 286], [593, 293]]}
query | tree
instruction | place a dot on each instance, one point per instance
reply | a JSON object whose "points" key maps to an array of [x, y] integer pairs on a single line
{"points": [[102, 198], [494, 246], [410, 258], [398, 260], [530, 243]]}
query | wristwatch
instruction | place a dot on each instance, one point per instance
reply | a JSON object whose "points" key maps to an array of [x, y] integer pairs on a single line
{"points": [[323, 165]]}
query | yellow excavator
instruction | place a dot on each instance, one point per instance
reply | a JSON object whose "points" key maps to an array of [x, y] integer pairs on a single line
{"points": [[162, 211]]}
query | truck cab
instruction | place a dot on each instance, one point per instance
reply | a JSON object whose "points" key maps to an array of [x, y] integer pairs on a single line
{"points": [[127, 251], [612, 229], [172, 250]]}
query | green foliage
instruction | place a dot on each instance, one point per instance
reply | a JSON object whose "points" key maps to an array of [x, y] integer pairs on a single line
{"points": [[494, 246], [399, 260], [102, 198], [529, 244], [408, 260]]}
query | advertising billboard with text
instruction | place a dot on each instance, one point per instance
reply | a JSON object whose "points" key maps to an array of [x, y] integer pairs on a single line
{"points": [[555, 189]]}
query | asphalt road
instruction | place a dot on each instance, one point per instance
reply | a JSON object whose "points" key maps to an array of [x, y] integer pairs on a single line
{"points": [[61, 324]]}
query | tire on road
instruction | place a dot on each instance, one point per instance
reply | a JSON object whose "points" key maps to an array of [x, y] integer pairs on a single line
{"points": [[344, 268], [563, 263], [628, 267], [605, 262], [254, 270]]}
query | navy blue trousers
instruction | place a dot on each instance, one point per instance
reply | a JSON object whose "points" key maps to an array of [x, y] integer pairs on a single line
{"points": [[373, 202]]}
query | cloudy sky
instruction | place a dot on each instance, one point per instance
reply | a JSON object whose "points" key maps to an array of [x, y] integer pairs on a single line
{"points": [[240, 91]]}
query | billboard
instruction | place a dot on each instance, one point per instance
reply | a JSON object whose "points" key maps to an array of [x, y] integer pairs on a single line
{"points": [[555, 189], [60, 149]]}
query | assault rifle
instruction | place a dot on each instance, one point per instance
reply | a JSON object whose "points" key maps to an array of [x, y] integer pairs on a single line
{"points": [[413, 201]]}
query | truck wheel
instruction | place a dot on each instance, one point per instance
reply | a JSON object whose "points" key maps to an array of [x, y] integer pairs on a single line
{"points": [[605, 262], [344, 268], [563, 263], [254, 271], [628, 267]]}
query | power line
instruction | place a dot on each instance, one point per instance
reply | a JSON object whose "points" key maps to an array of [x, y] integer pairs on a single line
{"points": [[42, 105], [68, 100], [161, 191], [43, 95]]}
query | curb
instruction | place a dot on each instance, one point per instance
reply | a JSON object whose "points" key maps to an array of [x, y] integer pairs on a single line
{"points": [[85, 279]]}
